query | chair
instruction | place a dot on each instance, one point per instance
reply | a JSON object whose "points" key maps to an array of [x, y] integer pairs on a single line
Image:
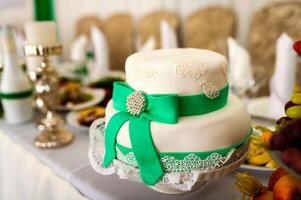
{"points": [[266, 26], [149, 25], [209, 28], [85, 23], [119, 30]]}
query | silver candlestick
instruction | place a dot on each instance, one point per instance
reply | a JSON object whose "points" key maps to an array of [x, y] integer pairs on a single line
{"points": [[46, 99]]}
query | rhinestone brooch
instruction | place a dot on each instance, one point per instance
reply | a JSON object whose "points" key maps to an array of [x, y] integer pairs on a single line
{"points": [[136, 103]]}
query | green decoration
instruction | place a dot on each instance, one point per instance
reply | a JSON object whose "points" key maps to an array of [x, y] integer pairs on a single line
{"points": [[44, 10], [17, 95], [140, 109], [183, 161]]}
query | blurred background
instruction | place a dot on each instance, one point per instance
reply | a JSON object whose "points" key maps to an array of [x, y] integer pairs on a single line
{"points": [[69, 11], [133, 25]]}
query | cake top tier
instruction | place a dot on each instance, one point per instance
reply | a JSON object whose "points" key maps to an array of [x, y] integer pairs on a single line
{"points": [[180, 71]]}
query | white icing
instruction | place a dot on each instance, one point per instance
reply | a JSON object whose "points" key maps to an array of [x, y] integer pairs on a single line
{"points": [[177, 71], [206, 132]]}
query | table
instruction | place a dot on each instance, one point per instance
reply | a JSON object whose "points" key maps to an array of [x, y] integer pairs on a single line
{"points": [[59, 174]]}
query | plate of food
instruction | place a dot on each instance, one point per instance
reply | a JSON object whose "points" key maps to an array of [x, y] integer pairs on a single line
{"points": [[83, 119], [72, 70], [258, 158], [74, 97], [107, 80]]}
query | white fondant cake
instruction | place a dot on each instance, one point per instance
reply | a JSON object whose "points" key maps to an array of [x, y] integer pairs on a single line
{"points": [[186, 72], [179, 71]]}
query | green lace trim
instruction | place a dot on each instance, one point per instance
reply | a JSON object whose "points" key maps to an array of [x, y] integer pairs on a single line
{"points": [[184, 161]]}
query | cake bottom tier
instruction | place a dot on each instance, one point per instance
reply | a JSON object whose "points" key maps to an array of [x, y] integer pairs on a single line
{"points": [[187, 161], [171, 183], [201, 133]]}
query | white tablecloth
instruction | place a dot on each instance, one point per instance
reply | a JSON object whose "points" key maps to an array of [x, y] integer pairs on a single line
{"points": [[23, 176], [28, 173]]}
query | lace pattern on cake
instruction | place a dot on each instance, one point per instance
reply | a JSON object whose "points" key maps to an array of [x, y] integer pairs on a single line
{"points": [[191, 71], [171, 164], [195, 72], [128, 158], [210, 90]]}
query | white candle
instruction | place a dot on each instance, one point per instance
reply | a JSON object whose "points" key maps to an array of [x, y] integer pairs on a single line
{"points": [[41, 33]]}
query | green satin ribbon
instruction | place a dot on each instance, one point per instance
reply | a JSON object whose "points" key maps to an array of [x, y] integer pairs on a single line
{"points": [[202, 155], [163, 108], [16, 95]]}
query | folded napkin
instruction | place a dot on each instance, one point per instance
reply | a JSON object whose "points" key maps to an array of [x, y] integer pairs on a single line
{"points": [[240, 67], [284, 77], [148, 45], [168, 36], [101, 54], [78, 49]]}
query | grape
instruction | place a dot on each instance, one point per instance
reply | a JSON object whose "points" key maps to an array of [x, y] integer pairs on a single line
{"points": [[281, 122], [292, 132], [288, 105], [286, 156], [294, 112], [292, 157], [296, 162], [289, 155], [280, 142], [296, 98]]}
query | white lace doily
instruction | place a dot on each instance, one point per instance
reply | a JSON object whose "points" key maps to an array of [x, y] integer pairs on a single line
{"points": [[173, 182]]}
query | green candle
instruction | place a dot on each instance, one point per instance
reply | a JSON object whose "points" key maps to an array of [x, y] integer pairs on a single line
{"points": [[44, 10]]}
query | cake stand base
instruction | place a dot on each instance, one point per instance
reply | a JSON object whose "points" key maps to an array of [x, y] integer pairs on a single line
{"points": [[165, 189]]}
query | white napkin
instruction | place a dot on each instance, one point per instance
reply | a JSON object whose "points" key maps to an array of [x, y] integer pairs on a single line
{"points": [[148, 45], [284, 77], [240, 67], [168, 36], [78, 49], [101, 54]]}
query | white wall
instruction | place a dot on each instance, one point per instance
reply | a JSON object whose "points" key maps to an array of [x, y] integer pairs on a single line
{"points": [[68, 11]]}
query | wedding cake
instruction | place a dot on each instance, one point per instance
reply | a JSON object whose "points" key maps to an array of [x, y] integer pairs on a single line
{"points": [[174, 115]]}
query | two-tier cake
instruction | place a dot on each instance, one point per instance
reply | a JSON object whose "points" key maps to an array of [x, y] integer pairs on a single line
{"points": [[173, 115]]}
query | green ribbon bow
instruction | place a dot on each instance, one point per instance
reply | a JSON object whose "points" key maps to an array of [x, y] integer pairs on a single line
{"points": [[139, 129], [139, 109]]}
